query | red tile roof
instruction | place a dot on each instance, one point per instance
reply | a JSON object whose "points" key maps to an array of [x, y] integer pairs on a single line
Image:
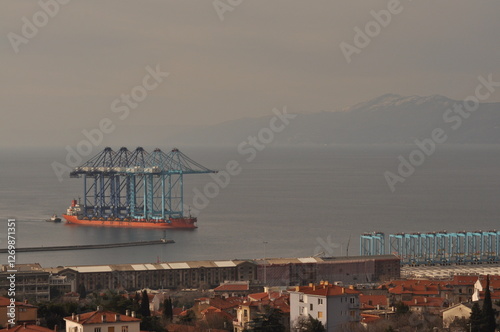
{"points": [[5, 301], [326, 290], [366, 318], [464, 280], [188, 328], [176, 311], [232, 288], [224, 304], [95, 317], [371, 301], [494, 282], [258, 296], [418, 286], [212, 311], [27, 328], [424, 301]]}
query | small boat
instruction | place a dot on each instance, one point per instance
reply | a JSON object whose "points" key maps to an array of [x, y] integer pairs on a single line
{"points": [[54, 218]]}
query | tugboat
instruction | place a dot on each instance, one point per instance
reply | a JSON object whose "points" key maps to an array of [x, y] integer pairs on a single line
{"points": [[54, 218]]}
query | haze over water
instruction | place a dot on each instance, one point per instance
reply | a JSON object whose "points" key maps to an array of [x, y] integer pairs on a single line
{"points": [[300, 200]]}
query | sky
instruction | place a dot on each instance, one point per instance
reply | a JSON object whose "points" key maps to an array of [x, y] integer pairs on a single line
{"points": [[227, 59]]}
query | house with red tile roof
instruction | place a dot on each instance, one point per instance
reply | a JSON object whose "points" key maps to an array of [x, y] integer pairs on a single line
{"points": [[370, 302], [334, 306], [228, 305], [190, 328], [259, 303], [368, 319], [480, 285], [22, 311], [102, 321], [406, 290], [233, 288], [462, 310], [432, 305], [27, 328]]}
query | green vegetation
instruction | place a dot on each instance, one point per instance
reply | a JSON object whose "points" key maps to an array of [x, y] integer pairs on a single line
{"points": [[268, 321], [310, 324], [488, 323]]}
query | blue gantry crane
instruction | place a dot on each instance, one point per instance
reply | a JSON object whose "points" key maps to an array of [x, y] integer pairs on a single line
{"points": [[436, 247], [135, 184]]}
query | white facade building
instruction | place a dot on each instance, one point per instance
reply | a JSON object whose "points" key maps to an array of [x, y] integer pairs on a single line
{"points": [[102, 321], [333, 306]]}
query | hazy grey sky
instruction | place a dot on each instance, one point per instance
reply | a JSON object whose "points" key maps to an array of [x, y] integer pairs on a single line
{"points": [[264, 54]]}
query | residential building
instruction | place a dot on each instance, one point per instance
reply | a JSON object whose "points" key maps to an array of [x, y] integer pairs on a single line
{"points": [[233, 288], [463, 288], [462, 310], [102, 321], [406, 290], [27, 328], [427, 304], [262, 303], [32, 282], [228, 305], [457, 311], [371, 302], [334, 306], [24, 313], [480, 285]]}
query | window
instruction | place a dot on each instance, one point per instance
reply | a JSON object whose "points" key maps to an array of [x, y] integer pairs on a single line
{"points": [[320, 301], [97, 329], [311, 306], [245, 313], [301, 310], [352, 313], [124, 328], [351, 300], [320, 314], [301, 297]]}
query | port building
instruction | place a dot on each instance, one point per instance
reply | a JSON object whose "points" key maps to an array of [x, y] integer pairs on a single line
{"points": [[211, 273]]}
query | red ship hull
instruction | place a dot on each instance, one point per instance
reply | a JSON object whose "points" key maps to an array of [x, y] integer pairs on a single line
{"points": [[186, 223]]}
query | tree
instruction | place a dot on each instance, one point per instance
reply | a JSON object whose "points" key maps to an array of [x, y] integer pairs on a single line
{"points": [[188, 318], [82, 291], [310, 324], [168, 312], [488, 313], [401, 308], [151, 324], [475, 318], [145, 312], [267, 321]]}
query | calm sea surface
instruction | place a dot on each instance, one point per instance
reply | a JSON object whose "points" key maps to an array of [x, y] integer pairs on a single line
{"points": [[302, 201]]}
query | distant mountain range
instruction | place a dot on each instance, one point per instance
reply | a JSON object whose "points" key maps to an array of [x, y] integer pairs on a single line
{"points": [[388, 119]]}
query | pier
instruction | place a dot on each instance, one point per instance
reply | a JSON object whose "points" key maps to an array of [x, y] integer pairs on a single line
{"points": [[92, 246]]}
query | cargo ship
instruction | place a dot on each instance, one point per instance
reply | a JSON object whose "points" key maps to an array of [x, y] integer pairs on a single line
{"points": [[74, 215]]}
